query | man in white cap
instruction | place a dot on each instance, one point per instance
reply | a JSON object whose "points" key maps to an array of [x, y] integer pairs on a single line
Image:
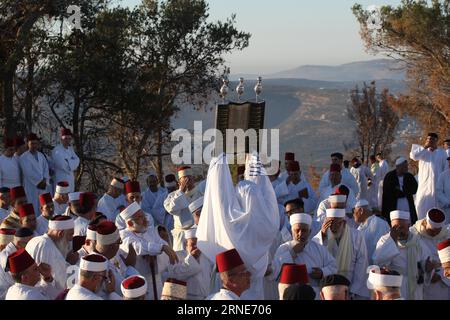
{"points": [[300, 250], [443, 192], [153, 200], [108, 203], [54, 249], [444, 257], [341, 198], [431, 231], [399, 188], [348, 247], [432, 162], [61, 198], [74, 205], [177, 204], [385, 284], [147, 244], [371, 227], [64, 159], [31, 281], [174, 289], [401, 251], [194, 268], [94, 275], [134, 288]]}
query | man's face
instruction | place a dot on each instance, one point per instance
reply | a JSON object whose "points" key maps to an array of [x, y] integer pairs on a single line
{"points": [[446, 267], [337, 225], [358, 215], [33, 145], [99, 279], [19, 202], [9, 152], [402, 168], [48, 209], [152, 181], [432, 142], [139, 222], [191, 244], [240, 278], [446, 145], [66, 141], [62, 197], [29, 222], [134, 197], [335, 178], [402, 227], [300, 232], [32, 275], [336, 160], [190, 181], [5, 199], [295, 176]]}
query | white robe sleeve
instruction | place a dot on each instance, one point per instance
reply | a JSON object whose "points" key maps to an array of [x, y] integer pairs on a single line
{"points": [[141, 246], [385, 251], [417, 152], [184, 269], [175, 202]]}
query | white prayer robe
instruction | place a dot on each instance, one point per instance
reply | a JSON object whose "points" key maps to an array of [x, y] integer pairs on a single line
{"points": [[439, 290], [44, 250], [245, 218], [443, 193], [145, 244], [108, 206], [153, 203], [361, 174], [65, 162], [10, 175], [33, 173], [81, 225], [372, 230], [383, 171], [223, 294], [431, 165], [389, 254], [313, 255], [373, 189], [6, 281], [78, 292], [357, 273], [41, 225], [177, 204], [21, 291], [60, 208], [289, 192], [347, 179]]}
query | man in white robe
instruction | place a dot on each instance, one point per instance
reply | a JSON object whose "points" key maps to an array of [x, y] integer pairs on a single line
{"points": [[341, 198], [370, 226], [177, 204], [108, 203], [34, 166], [348, 247], [47, 212], [384, 169], [86, 213], [10, 175], [153, 201], [431, 231], [31, 282], [61, 198], [347, 178], [320, 263], [296, 187], [362, 175], [54, 249], [432, 162], [234, 275], [145, 240], [65, 161], [245, 218], [401, 250], [443, 192]]}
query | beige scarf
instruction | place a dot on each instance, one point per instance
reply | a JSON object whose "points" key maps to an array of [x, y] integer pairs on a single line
{"points": [[421, 229], [344, 251], [412, 246]]}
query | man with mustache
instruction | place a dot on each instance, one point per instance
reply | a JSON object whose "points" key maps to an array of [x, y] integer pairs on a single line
{"points": [[401, 251], [300, 250]]}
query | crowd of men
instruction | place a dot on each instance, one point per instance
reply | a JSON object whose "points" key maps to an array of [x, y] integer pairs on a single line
{"points": [[365, 233]]}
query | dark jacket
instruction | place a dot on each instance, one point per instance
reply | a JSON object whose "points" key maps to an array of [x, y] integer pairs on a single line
{"points": [[392, 192]]}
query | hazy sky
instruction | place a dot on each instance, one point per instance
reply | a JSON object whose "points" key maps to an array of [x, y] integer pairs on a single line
{"points": [[290, 33]]}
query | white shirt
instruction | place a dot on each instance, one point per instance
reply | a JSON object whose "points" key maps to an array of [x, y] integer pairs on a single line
{"points": [[361, 174], [65, 162], [224, 294], [80, 293], [23, 292], [10, 175]]}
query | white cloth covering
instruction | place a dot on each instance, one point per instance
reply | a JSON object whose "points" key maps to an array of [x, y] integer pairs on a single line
{"points": [[65, 162]]}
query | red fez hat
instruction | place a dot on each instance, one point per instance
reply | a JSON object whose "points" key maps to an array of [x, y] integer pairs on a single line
{"points": [[293, 166], [77, 242], [87, 200], [8, 232], [134, 282], [32, 137], [26, 210], [436, 215], [294, 273], [289, 156], [342, 190], [228, 260], [9, 143], [106, 227], [45, 198], [444, 244], [17, 192], [65, 132], [18, 141], [335, 168], [132, 186], [19, 261], [241, 170]]}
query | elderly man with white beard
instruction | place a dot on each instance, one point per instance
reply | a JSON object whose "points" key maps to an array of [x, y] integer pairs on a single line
{"points": [[319, 261], [348, 247], [401, 251], [148, 246], [53, 249], [431, 231]]}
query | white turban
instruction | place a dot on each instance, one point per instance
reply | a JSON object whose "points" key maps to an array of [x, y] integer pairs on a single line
{"points": [[335, 213], [298, 218], [400, 215]]}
